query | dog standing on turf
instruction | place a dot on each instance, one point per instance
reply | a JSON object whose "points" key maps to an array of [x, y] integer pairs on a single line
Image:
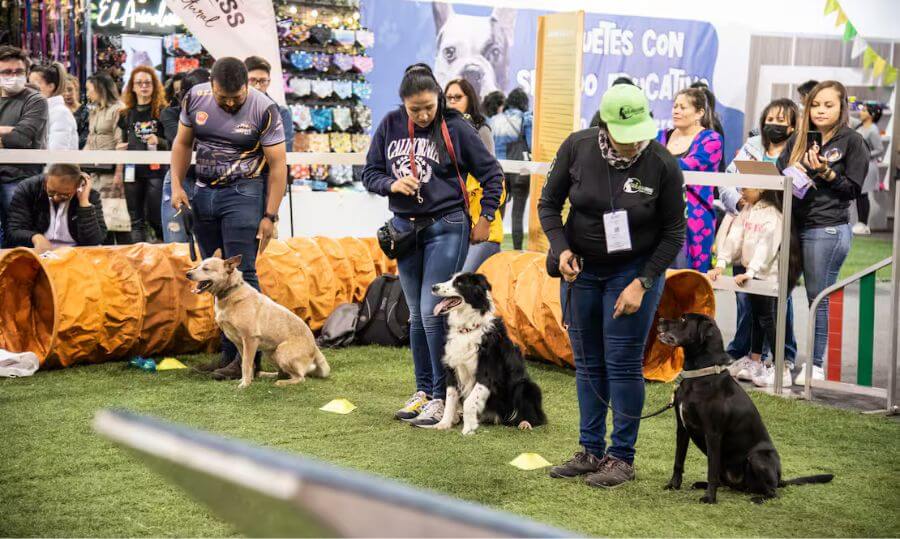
{"points": [[483, 366], [254, 322], [716, 413]]}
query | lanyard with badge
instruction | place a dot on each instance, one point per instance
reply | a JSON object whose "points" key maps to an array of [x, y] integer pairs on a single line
{"points": [[615, 222]]}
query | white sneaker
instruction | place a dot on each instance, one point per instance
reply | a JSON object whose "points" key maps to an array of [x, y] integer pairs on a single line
{"points": [[818, 373], [861, 229], [431, 414], [739, 366], [767, 377]]}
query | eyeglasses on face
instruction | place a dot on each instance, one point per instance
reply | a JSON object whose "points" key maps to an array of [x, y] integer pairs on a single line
{"points": [[12, 73], [143, 83]]}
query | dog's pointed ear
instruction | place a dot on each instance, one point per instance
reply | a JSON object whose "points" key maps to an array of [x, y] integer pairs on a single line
{"points": [[232, 263], [441, 13], [505, 20], [218, 253]]}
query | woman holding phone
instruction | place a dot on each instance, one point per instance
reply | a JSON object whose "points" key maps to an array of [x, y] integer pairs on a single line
{"points": [[836, 160]]}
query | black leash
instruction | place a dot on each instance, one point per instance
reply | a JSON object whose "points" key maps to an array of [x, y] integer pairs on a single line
{"points": [[187, 219], [567, 316]]}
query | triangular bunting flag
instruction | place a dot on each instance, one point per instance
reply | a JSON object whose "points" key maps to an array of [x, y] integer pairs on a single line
{"points": [[831, 6], [878, 67], [859, 46], [849, 31], [841, 18], [890, 76], [869, 57]]}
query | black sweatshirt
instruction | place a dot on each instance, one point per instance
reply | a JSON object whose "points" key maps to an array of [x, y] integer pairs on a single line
{"points": [[388, 160], [655, 205], [136, 124], [827, 203]]}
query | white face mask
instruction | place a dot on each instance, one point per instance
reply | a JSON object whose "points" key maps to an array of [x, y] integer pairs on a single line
{"points": [[12, 85]]}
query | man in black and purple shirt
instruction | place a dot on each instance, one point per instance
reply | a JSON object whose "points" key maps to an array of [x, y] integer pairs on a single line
{"points": [[241, 174]]}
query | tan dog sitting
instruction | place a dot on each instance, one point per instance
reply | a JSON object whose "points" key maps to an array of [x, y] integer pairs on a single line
{"points": [[252, 321]]}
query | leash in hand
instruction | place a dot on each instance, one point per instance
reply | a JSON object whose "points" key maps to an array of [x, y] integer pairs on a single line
{"points": [[566, 317]]}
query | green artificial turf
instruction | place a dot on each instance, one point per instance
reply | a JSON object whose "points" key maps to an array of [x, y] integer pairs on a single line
{"points": [[60, 479]]}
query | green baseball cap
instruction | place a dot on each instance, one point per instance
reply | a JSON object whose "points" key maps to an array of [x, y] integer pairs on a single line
{"points": [[626, 112]]}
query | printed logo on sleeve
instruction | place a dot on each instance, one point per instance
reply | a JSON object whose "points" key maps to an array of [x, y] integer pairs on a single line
{"points": [[201, 118]]}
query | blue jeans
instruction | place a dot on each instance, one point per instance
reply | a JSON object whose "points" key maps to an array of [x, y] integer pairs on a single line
{"points": [[609, 355], [173, 227], [440, 252], [824, 252], [6, 194], [741, 344], [228, 218], [478, 254]]}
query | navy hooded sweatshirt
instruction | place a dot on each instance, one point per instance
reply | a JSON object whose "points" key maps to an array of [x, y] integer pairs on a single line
{"points": [[388, 160]]}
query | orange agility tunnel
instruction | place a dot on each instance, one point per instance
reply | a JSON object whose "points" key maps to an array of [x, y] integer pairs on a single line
{"points": [[94, 304], [529, 301]]}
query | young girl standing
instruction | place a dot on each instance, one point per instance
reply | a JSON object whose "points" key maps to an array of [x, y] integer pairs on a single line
{"points": [[753, 239]]}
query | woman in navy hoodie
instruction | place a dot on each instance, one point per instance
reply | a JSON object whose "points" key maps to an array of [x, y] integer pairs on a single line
{"points": [[431, 199]]}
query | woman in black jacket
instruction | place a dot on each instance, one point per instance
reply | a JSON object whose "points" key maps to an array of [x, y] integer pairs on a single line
{"points": [[410, 162], [837, 171], [625, 227], [56, 209], [142, 129]]}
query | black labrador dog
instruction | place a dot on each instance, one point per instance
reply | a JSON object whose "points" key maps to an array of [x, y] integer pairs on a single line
{"points": [[716, 413]]}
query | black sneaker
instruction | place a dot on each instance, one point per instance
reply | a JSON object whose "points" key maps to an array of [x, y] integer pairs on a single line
{"points": [[232, 371], [580, 464], [612, 474]]}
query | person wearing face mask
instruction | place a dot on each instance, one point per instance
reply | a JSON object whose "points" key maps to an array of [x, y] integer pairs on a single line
{"points": [[626, 225], [56, 209], [411, 163], [776, 123], [23, 125], [697, 146], [62, 130], [837, 170], [240, 172]]}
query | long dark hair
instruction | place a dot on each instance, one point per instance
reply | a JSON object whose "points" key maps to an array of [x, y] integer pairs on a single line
{"points": [[54, 74], [697, 98], [787, 107], [105, 88], [795, 257], [419, 78], [474, 108]]}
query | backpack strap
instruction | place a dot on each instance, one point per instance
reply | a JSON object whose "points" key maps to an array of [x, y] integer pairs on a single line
{"points": [[395, 326], [371, 303]]}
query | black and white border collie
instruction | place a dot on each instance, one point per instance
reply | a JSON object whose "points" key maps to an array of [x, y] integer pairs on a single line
{"points": [[482, 365]]}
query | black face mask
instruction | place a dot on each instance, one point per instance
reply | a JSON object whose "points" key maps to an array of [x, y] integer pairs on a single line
{"points": [[776, 133]]}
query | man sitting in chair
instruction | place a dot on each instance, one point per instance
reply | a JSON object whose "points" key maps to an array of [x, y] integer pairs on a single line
{"points": [[56, 209]]}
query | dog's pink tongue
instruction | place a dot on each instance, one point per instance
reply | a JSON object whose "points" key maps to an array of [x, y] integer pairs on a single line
{"points": [[440, 306]]}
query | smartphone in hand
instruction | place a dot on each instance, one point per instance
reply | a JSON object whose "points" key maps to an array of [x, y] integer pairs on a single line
{"points": [[813, 138]]}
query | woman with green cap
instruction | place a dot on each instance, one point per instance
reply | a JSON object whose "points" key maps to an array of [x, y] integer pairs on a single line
{"points": [[625, 227]]}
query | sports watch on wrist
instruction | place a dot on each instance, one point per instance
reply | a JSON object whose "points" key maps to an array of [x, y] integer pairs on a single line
{"points": [[489, 218], [271, 217], [646, 282]]}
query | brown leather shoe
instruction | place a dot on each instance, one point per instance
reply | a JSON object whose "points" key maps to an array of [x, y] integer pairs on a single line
{"points": [[232, 371], [612, 474], [581, 463]]}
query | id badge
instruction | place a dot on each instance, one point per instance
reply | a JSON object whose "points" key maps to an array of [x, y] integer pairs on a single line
{"points": [[129, 174], [618, 236]]}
